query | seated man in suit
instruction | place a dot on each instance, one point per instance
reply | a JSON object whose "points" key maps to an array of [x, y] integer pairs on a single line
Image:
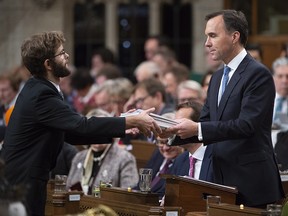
{"points": [[162, 159], [196, 161]]}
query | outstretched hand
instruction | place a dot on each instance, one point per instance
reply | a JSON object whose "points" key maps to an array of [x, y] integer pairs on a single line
{"points": [[184, 129], [147, 124]]}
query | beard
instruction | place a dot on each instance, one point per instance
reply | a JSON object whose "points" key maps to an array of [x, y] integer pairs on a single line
{"points": [[59, 70]]}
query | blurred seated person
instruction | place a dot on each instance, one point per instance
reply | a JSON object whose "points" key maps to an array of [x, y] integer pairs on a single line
{"points": [[100, 57], [146, 70], [112, 95], [195, 161], [166, 58], [189, 90], [83, 84], [102, 162], [173, 77], [205, 83], [9, 89], [162, 159], [280, 75], [255, 51], [22, 73], [120, 94], [149, 93], [107, 72], [280, 126], [284, 50], [103, 97], [153, 43]]}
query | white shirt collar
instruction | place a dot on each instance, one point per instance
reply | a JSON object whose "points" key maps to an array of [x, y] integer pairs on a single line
{"points": [[234, 63], [56, 86], [199, 153]]}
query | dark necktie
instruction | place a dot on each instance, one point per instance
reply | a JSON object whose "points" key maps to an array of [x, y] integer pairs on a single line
{"points": [[164, 170], [225, 78], [192, 166]]}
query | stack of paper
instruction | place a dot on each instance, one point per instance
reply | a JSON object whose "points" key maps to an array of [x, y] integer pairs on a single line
{"points": [[160, 120]]}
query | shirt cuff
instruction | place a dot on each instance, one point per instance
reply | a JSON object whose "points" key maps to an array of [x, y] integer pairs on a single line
{"points": [[200, 137]]}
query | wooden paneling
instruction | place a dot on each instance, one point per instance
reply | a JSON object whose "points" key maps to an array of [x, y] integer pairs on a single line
{"points": [[271, 46]]}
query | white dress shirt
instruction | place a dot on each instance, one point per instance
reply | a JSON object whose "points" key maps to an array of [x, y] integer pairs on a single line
{"points": [[233, 65], [199, 155]]}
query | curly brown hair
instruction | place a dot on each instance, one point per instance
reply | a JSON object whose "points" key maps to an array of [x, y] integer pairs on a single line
{"points": [[39, 47]]}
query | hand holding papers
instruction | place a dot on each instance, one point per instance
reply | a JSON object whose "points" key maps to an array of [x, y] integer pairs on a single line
{"points": [[185, 128], [160, 120], [142, 120]]}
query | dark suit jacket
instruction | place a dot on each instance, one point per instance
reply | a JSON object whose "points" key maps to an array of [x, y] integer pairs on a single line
{"points": [[155, 163], [40, 122], [241, 130], [181, 167], [64, 160]]}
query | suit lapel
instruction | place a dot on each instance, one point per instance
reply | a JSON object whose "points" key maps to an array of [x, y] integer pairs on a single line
{"points": [[231, 85], [206, 163]]}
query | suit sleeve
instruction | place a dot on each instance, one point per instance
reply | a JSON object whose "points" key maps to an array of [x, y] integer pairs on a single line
{"points": [[249, 107], [55, 113]]}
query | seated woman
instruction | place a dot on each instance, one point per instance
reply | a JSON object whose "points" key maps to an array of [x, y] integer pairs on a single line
{"points": [[102, 163]]}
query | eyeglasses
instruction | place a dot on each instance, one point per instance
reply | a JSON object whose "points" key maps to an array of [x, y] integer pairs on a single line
{"points": [[141, 100], [61, 53]]}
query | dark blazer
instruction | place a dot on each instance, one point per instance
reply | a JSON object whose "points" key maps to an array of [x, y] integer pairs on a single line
{"points": [[181, 165], [155, 163], [241, 130], [64, 160], [38, 126]]}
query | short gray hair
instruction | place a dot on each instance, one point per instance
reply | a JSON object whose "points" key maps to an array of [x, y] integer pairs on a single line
{"points": [[193, 85], [282, 61]]}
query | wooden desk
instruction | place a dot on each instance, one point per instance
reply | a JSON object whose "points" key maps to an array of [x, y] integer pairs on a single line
{"points": [[122, 203], [191, 194], [225, 209], [142, 150], [125, 208], [132, 196]]}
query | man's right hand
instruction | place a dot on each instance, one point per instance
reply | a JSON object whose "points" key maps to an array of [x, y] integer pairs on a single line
{"points": [[145, 123]]}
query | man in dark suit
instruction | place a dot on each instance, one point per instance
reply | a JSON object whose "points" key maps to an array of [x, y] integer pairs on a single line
{"points": [[41, 120], [202, 164], [161, 162], [239, 121], [200, 167]]}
